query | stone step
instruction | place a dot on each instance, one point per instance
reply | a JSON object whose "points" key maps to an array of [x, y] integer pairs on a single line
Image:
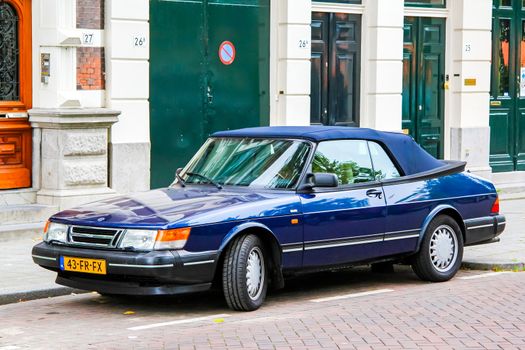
{"points": [[23, 221]]}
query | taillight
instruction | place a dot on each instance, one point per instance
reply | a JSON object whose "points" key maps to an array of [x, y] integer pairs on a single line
{"points": [[495, 207]]}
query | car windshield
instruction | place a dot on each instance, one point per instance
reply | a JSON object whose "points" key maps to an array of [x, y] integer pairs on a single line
{"points": [[263, 163]]}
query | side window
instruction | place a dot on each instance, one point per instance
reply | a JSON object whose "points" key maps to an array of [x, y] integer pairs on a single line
{"points": [[383, 165], [348, 159]]}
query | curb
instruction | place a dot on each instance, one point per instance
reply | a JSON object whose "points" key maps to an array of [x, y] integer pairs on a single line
{"points": [[512, 266], [16, 297]]}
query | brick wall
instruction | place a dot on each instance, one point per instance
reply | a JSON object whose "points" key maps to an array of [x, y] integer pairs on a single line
{"points": [[90, 68], [90, 14]]}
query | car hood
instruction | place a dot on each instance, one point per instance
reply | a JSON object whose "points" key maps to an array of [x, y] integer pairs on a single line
{"points": [[180, 207]]}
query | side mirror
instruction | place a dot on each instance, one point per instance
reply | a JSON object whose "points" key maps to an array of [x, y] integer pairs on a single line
{"points": [[321, 180]]}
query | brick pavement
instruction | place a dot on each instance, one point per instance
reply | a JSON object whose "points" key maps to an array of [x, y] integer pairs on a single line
{"points": [[485, 313]]}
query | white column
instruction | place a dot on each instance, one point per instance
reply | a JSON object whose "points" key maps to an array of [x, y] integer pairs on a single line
{"points": [[382, 64], [470, 83], [127, 86], [290, 68]]}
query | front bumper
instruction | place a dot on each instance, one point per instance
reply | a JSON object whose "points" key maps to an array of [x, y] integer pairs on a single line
{"points": [[133, 273]]}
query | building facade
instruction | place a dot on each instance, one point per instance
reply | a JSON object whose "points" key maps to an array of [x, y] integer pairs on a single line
{"points": [[99, 97]]}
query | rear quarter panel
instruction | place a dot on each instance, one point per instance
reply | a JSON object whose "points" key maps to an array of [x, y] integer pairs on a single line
{"points": [[410, 204]]}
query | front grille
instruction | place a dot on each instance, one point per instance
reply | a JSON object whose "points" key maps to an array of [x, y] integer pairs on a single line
{"points": [[95, 236]]}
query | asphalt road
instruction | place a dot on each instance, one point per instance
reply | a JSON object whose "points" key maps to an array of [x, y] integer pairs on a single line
{"points": [[345, 309]]}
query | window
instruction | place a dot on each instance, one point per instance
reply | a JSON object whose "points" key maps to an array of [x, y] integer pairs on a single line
{"points": [[15, 55], [348, 159], [9, 79], [426, 3], [384, 168], [260, 163]]}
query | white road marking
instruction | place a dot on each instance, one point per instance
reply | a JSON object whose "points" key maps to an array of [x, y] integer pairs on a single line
{"points": [[483, 275], [10, 347], [353, 295], [171, 323]]}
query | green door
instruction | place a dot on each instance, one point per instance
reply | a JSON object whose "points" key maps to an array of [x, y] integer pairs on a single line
{"points": [[423, 81], [336, 61], [194, 93], [507, 102]]}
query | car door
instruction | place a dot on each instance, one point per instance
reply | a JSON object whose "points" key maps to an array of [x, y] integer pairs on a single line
{"points": [[403, 221], [347, 223]]}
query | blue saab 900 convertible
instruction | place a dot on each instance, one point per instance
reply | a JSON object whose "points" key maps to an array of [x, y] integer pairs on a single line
{"points": [[254, 205]]}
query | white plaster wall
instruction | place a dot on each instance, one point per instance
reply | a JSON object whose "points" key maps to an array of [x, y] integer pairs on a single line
{"points": [[290, 62], [54, 32], [467, 119], [471, 25], [382, 64], [127, 69]]}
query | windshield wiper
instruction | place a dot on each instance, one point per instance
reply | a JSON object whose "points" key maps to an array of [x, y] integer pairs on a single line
{"points": [[207, 179]]}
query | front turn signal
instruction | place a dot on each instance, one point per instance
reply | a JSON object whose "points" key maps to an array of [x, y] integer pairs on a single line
{"points": [[495, 207], [172, 239]]}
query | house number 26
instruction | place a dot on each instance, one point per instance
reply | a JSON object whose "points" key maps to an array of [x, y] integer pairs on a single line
{"points": [[139, 41], [303, 44]]}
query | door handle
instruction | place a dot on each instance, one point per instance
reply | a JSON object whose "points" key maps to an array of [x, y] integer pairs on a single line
{"points": [[374, 193]]}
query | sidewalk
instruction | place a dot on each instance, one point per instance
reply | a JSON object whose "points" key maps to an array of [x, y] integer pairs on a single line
{"points": [[21, 279], [509, 253]]}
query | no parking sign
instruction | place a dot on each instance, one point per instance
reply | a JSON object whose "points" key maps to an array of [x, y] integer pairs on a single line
{"points": [[227, 53]]}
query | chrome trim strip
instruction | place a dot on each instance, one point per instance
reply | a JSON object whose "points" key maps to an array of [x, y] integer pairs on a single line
{"points": [[401, 237], [191, 263], [364, 238], [142, 266], [43, 257], [335, 245], [502, 223], [480, 226], [291, 250], [403, 231], [89, 235]]}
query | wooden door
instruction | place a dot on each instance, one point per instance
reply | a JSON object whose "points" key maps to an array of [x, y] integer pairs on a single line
{"points": [[335, 82], [507, 100], [423, 81], [15, 93]]}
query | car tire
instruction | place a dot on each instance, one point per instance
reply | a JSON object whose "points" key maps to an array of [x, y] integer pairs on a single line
{"points": [[441, 252], [245, 274]]}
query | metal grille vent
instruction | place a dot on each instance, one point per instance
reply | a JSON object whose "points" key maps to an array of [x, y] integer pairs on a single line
{"points": [[95, 236]]}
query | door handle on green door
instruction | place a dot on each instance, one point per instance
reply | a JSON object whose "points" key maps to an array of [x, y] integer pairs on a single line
{"points": [[209, 95]]}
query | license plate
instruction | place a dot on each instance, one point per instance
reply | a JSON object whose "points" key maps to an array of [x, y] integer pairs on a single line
{"points": [[96, 266]]}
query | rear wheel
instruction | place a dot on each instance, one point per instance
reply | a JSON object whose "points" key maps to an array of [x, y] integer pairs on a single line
{"points": [[441, 251], [244, 274]]}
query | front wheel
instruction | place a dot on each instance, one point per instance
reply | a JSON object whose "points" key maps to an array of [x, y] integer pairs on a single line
{"points": [[244, 274], [441, 251]]}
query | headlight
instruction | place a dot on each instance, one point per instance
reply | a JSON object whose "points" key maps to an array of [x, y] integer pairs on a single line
{"points": [[158, 240], [55, 232], [139, 239]]}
